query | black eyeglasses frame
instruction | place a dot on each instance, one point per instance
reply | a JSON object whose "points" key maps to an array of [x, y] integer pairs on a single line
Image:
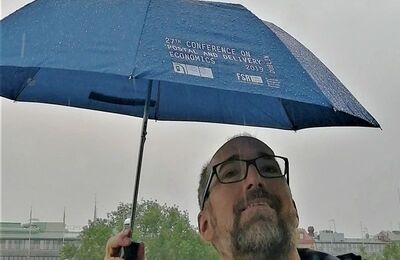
{"points": [[248, 163]]}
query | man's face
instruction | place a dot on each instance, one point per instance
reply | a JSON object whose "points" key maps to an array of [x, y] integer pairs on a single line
{"points": [[252, 213]]}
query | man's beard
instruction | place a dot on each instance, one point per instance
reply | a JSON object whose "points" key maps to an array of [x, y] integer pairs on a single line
{"points": [[262, 236]]}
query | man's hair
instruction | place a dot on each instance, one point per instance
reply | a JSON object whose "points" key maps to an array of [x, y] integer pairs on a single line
{"points": [[206, 170], [204, 175]]}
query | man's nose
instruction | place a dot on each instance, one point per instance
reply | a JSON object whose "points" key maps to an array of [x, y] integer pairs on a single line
{"points": [[253, 178]]}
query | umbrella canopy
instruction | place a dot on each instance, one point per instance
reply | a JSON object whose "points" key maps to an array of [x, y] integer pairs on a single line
{"points": [[183, 60], [207, 62]]}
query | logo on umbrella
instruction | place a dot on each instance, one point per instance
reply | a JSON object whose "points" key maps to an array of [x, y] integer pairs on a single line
{"points": [[249, 78], [193, 70]]}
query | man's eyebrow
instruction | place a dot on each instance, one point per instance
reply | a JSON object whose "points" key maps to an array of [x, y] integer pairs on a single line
{"points": [[237, 157]]}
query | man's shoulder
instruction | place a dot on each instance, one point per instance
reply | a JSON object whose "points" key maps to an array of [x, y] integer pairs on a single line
{"points": [[308, 254]]}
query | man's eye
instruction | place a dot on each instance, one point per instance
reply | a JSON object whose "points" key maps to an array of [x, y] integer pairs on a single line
{"points": [[271, 170], [229, 174]]}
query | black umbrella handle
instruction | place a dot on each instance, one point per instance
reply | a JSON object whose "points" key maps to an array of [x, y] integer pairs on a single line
{"points": [[140, 155], [130, 252]]}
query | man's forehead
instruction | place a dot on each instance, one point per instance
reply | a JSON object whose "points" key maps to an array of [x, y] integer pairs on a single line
{"points": [[244, 147]]}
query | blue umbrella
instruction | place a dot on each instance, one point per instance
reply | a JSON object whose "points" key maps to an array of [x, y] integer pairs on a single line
{"points": [[181, 60]]}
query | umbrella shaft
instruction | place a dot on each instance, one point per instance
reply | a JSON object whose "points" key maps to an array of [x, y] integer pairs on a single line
{"points": [[140, 156]]}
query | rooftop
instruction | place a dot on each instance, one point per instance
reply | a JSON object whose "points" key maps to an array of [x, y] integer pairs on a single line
{"points": [[36, 230]]}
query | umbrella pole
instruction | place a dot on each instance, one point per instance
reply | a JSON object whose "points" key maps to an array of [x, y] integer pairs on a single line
{"points": [[140, 156]]}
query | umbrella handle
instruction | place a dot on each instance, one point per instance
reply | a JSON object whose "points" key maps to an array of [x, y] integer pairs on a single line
{"points": [[140, 156], [130, 252]]}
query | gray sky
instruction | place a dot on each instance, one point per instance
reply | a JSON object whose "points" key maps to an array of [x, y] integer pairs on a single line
{"points": [[54, 156]]}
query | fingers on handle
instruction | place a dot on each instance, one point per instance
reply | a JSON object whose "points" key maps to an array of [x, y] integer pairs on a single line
{"points": [[115, 243], [140, 253]]}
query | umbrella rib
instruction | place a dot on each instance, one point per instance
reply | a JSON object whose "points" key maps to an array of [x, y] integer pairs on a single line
{"points": [[25, 85], [140, 38], [157, 105], [287, 114]]}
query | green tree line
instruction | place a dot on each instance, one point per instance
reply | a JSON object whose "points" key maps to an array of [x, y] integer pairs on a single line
{"points": [[390, 252], [165, 230]]}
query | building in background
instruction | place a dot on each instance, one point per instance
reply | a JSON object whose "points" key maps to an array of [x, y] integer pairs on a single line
{"points": [[34, 240], [388, 236], [305, 239], [336, 243]]}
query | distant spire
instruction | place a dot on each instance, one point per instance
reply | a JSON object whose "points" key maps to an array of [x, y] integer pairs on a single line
{"points": [[398, 193], [30, 234], [95, 209], [63, 233], [30, 217], [64, 217]]}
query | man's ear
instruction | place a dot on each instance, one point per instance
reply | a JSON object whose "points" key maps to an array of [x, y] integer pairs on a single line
{"points": [[205, 228]]}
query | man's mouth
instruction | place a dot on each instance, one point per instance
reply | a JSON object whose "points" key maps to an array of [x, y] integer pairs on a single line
{"points": [[256, 200], [256, 204]]}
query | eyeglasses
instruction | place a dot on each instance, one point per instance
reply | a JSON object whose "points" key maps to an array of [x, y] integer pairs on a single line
{"points": [[235, 170]]}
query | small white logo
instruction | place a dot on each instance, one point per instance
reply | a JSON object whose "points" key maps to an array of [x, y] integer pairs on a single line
{"points": [[192, 70], [273, 83], [249, 78], [179, 68]]}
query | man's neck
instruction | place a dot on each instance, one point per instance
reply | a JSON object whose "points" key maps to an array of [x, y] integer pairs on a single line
{"points": [[294, 254]]}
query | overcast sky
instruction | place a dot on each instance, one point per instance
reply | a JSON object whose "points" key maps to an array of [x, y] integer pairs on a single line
{"points": [[54, 157]]}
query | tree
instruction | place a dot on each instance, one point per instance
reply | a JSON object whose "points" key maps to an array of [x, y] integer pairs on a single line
{"points": [[168, 234], [93, 240], [165, 230], [370, 256], [390, 252], [68, 251]]}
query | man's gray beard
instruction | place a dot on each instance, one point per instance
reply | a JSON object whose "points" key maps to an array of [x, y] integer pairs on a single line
{"points": [[261, 238]]}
